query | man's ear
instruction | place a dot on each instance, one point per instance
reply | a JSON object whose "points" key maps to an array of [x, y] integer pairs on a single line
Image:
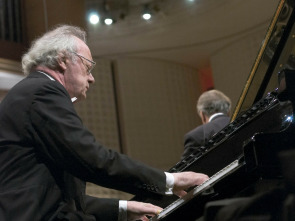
{"points": [[203, 117], [62, 63]]}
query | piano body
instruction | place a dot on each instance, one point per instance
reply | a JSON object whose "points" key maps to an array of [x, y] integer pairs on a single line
{"points": [[242, 155]]}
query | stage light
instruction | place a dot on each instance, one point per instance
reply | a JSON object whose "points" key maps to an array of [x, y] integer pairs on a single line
{"points": [[108, 21], [146, 16], [146, 13], [93, 18]]}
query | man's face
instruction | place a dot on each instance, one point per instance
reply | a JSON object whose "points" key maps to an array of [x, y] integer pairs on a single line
{"points": [[77, 79]]}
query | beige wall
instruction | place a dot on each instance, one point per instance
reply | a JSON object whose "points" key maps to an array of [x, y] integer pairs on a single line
{"points": [[157, 107]]}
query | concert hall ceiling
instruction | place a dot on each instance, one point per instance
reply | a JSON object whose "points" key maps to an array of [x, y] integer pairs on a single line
{"points": [[183, 31]]}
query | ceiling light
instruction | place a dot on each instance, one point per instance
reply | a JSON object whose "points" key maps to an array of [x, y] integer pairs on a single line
{"points": [[146, 16], [94, 19], [146, 13], [108, 21]]}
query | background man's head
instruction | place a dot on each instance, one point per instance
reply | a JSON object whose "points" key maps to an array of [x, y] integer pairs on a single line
{"points": [[211, 102]]}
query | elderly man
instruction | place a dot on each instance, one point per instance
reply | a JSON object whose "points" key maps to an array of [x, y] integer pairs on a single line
{"points": [[47, 155], [213, 108]]}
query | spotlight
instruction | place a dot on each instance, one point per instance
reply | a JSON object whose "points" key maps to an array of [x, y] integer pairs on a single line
{"points": [[146, 13], [146, 16], [93, 18], [108, 21]]}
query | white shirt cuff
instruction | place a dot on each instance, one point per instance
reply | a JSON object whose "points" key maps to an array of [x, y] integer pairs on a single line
{"points": [[122, 210], [123, 203], [169, 183]]}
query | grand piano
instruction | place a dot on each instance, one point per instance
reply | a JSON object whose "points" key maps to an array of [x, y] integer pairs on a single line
{"points": [[241, 160]]}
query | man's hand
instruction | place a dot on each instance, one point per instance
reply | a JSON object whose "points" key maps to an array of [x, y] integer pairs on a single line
{"points": [[185, 180], [138, 210]]}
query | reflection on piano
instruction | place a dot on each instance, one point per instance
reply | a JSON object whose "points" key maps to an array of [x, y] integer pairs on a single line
{"points": [[243, 156]]}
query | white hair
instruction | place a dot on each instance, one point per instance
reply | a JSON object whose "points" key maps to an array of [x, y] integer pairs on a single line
{"points": [[213, 101], [52, 46]]}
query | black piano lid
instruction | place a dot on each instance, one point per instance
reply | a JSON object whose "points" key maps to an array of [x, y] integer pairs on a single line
{"points": [[277, 52]]}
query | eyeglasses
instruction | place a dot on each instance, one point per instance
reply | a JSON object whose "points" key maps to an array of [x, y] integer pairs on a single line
{"points": [[89, 68]]}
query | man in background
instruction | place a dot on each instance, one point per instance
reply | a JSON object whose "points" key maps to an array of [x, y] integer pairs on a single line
{"points": [[213, 108]]}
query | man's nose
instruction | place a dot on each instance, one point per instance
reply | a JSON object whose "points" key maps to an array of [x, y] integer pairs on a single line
{"points": [[91, 78]]}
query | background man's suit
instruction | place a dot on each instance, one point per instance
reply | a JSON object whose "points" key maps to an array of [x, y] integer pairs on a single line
{"points": [[46, 155], [201, 134]]}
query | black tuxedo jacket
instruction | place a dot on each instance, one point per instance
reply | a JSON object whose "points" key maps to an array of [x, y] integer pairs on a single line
{"points": [[47, 155], [201, 134]]}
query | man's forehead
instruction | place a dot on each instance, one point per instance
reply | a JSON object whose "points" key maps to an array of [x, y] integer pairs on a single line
{"points": [[82, 47]]}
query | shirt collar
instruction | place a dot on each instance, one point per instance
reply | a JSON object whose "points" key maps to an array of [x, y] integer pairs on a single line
{"points": [[214, 115], [51, 78]]}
